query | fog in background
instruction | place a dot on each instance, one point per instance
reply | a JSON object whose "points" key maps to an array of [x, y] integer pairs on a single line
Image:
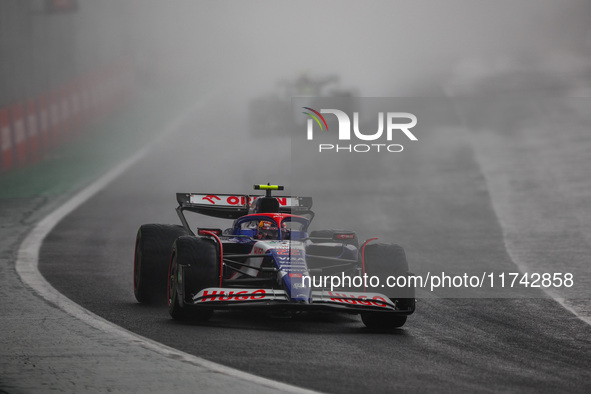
{"points": [[383, 48], [380, 48]]}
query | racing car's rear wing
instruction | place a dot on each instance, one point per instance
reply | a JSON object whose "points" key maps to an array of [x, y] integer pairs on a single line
{"points": [[233, 206]]}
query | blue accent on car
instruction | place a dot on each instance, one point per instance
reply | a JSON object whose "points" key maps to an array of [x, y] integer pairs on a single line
{"points": [[293, 267]]}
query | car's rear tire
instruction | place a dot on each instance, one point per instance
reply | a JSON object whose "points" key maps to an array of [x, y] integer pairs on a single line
{"points": [[200, 270], [384, 260], [152, 256]]}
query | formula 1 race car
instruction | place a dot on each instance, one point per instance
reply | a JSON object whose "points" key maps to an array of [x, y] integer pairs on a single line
{"points": [[267, 260]]}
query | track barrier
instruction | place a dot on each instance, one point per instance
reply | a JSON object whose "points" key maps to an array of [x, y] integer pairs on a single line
{"points": [[31, 127]]}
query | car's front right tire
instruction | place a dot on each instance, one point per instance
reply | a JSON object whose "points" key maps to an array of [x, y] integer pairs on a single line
{"points": [[383, 261], [383, 320]]}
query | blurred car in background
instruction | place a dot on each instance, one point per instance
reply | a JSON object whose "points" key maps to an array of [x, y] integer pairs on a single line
{"points": [[274, 114]]}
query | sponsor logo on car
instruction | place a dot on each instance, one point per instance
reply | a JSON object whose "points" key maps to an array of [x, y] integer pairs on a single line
{"points": [[358, 299], [287, 250], [223, 295], [211, 198], [235, 201]]}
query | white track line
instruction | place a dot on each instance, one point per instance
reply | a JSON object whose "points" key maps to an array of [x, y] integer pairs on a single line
{"points": [[523, 268], [573, 310], [27, 266], [497, 209]]}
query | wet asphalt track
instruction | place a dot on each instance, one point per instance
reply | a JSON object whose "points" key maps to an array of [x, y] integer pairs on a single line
{"points": [[437, 206]]}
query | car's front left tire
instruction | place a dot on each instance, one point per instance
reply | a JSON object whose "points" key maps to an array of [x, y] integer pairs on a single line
{"points": [[152, 256], [194, 266]]}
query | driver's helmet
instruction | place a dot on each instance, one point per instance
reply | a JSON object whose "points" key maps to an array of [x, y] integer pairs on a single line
{"points": [[267, 230]]}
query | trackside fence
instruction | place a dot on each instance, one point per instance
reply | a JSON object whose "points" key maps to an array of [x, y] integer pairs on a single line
{"points": [[33, 126]]}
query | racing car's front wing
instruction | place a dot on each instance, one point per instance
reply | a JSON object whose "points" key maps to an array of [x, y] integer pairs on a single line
{"points": [[227, 298]]}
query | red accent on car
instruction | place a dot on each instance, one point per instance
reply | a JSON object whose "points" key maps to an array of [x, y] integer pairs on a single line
{"points": [[233, 296], [363, 257], [353, 299], [278, 217], [209, 198], [168, 279], [221, 253], [208, 231], [134, 264]]}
